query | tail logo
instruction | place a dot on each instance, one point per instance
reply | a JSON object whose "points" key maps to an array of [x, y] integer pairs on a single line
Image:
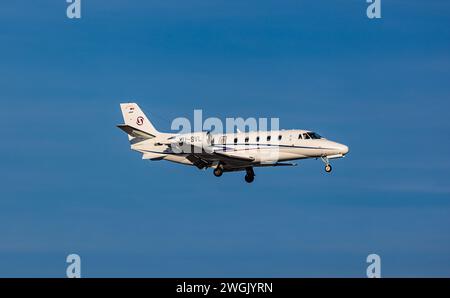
{"points": [[140, 120]]}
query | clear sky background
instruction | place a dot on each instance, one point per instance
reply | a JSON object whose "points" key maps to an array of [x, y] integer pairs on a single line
{"points": [[70, 184]]}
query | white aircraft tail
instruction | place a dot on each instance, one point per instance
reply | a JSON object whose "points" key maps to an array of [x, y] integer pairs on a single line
{"points": [[136, 123]]}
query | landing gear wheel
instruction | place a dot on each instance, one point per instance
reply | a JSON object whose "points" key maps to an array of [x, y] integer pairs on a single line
{"points": [[218, 171], [328, 168], [249, 178]]}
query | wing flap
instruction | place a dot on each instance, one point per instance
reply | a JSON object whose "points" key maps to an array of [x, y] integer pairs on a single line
{"points": [[197, 161]]}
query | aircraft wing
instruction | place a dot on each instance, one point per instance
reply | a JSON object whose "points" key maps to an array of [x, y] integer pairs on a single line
{"points": [[197, 161], [205, 158]]}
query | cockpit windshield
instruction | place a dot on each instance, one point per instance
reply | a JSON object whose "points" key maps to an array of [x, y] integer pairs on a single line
{"points": [[314, 135]]}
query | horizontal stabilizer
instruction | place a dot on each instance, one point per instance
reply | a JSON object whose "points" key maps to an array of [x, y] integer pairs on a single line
{"points": [[135, 132], [153, 156]]}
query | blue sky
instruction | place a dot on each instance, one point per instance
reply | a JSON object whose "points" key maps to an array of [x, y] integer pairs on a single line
{"points": [[70, 184]]}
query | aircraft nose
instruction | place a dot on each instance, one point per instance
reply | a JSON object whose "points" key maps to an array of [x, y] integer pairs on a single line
{"points": [[343, 149]]}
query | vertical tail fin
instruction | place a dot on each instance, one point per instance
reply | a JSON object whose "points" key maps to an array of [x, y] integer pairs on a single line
{"points": [[134, 117]]}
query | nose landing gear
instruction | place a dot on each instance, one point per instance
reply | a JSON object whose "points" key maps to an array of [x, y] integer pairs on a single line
{"points": [[328, 167]]}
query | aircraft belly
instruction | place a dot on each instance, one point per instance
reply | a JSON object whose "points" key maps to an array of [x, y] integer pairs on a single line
{"points": [[309, 152], [276, 154]]}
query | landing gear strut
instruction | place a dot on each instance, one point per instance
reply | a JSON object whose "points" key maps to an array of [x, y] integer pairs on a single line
{"points": [[328, 167], [250, 176]]}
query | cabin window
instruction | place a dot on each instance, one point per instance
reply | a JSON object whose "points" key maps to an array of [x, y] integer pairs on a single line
{"points": [[224, 140], [235, 140], [300, 136], [257, 139], [212, 141], [268, 138], [279, 137]]}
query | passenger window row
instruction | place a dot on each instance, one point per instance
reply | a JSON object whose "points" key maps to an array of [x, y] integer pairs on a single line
{"points": [[302, 136], [247, 139], [223, 139]]}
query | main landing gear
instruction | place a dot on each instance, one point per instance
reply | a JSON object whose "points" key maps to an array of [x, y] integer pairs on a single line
{"points": [[218, 171], [328, 167], [250, 176]]}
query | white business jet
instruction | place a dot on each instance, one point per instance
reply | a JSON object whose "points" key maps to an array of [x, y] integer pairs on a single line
{"points": [[241, 151]]}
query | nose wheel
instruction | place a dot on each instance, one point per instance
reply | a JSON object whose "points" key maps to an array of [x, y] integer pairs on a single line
{"points": [[328, 168]]}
